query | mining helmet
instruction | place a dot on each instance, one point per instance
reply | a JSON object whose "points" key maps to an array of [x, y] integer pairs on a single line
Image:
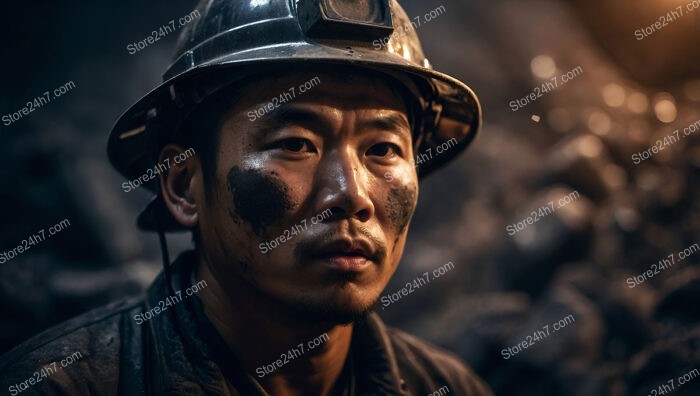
{"points": [[232, 40]]}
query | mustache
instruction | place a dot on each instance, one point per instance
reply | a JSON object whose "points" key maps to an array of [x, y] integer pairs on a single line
{"points": [[314, 243]]}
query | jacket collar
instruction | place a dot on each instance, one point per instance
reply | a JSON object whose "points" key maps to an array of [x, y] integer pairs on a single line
{"points": [[189, 357]]}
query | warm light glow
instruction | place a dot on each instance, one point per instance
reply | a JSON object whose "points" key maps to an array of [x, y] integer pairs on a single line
{"points": [[590, 146], [543, 66], [665, 108], [614, 95]]}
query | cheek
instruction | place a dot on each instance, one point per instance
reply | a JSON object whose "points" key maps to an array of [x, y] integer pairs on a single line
{"points": [[258, 199], [242, 262], [400, 204]]}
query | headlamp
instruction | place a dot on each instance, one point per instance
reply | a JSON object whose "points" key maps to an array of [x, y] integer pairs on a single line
{"points": [[363, 20]]}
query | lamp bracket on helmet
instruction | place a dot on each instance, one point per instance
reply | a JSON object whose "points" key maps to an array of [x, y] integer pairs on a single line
{"points": [[345, 19]]}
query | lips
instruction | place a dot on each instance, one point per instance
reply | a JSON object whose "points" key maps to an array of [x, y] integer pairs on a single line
{"points": [[345, 254], [348, 263], [346, 247]]}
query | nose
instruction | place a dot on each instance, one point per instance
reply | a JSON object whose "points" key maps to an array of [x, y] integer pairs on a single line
{"points": [[342, 187]]}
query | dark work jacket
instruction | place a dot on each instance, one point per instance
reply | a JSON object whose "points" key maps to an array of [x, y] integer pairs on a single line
{"points": [[178, 352]]}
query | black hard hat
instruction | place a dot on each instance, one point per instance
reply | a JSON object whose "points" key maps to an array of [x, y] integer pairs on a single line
{"points": [[230, 40]]}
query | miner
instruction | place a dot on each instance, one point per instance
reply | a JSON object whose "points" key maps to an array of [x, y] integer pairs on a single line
{"points": [[226, 318]]}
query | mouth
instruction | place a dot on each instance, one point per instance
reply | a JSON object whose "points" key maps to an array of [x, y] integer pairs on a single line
{"points": [[345, 255]]}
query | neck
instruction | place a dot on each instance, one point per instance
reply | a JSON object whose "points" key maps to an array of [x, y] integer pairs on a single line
{"points": [[287, 356]]}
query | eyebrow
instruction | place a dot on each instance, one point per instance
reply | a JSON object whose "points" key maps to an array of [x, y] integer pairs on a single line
{"points": [[392, 122], [290, 114]]}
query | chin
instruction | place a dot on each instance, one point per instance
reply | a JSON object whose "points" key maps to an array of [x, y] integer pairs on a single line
{"points": [[342, 307]]}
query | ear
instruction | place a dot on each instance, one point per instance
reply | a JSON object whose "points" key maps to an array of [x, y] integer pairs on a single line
{"points": [[178, 183]]}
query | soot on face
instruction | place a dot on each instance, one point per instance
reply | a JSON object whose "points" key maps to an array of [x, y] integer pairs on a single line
{"points": [[399, 206], [258, 199]]}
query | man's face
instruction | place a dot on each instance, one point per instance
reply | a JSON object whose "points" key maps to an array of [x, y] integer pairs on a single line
{"points": [[322, 155]]}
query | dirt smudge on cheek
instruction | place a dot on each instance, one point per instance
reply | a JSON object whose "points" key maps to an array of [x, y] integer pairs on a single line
{"points": [[400, 205], [258, 199]]}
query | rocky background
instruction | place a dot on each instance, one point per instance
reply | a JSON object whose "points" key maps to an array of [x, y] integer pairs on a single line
{"points": [[574, 262]]}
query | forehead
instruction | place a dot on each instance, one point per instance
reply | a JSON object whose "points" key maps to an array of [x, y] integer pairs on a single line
{"points": [[343, 88]]}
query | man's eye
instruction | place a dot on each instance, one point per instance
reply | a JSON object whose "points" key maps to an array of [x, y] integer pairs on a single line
{"points": [[296, 145], [384, 150]]}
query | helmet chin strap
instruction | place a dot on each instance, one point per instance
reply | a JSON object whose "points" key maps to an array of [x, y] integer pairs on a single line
{"points": [[157, 219], [163, 247]]}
